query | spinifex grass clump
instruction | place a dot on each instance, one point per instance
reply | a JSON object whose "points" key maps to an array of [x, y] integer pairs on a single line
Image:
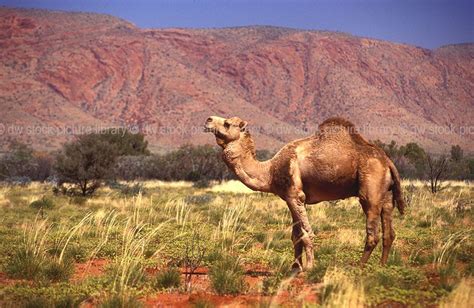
{"points": [[227, 276], [169, 278], [128, 269], [230, 225], [33, 258], [29, 258], [59, 270]]}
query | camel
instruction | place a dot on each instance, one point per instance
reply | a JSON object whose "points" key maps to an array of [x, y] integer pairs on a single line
{"points": [[334, 163]]}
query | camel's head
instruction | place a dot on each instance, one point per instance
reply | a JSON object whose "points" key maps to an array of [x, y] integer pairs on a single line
{"points": [[225, 130]]}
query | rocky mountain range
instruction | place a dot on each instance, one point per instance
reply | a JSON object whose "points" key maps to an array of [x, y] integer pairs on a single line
{"points": [[64, 73]]}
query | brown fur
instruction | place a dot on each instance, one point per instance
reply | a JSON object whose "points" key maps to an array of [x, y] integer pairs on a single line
{"points": [[335, 163]]}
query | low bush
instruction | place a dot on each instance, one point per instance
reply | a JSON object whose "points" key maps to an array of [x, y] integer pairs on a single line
{"points": [[42, 204], [203, 183], [199, 199], [128, 190]]}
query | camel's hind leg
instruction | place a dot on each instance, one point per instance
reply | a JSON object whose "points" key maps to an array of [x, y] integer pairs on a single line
{"points": [[371, 196], [387, 228], [372, 212]]}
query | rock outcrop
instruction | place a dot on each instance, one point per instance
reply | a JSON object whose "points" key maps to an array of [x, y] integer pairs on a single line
{"points": [[63, 73]]}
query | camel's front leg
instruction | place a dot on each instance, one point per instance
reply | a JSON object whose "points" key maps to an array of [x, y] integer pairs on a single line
{"points": [[302, 230], [298, 246]]}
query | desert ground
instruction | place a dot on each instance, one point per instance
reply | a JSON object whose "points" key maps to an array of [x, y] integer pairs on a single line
{"points": [[156, 244]]}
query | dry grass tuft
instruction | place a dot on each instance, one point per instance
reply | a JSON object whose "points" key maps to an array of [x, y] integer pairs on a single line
{"points": [[339, 290], [462, 296]]}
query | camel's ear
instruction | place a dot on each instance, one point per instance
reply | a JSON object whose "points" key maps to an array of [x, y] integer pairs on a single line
{"points": [[243, 125]]}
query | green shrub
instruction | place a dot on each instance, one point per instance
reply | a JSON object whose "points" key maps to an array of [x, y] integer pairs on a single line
{"points": [[202, 183], [227, 276], [42, 204], [171, 278], [78, 200], [199, 199], [128, 190]]}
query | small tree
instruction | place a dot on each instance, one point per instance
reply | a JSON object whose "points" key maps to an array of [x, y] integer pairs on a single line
{"points": [[90, 159], [127, 143], [193, 258], [470, 169], [417, 156], [85, 162], [18, 162], [456, 153], [43, 163], [437, 168]]}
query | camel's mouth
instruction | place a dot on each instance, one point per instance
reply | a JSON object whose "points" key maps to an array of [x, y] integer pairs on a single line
{"points": [[209, 129]]}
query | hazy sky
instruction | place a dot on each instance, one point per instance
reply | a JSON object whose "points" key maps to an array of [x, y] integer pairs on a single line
{"points": [[426, 23]]}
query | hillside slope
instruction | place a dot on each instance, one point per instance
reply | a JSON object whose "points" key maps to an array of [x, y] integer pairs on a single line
{"points": [[63, 73]]}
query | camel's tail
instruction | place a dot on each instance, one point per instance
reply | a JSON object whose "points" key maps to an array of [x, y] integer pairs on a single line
{"points": [[397, 188]]}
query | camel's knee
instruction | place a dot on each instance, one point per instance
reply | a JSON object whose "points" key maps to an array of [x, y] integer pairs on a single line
{"points": [[300, 210], [307, 239], [371, 241]]}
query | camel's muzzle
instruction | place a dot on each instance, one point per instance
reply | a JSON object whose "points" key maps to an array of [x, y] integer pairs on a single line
{"points": [[208, 127]]}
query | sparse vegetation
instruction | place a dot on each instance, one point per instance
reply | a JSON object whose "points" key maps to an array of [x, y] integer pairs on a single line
{"points": [[147, 243]]}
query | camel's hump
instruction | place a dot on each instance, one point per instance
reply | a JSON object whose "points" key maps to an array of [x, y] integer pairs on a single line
{"points": [[336, 121], [333, 125]]}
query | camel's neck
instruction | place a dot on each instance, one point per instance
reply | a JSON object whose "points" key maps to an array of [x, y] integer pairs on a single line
{"points": [[240, 157]]}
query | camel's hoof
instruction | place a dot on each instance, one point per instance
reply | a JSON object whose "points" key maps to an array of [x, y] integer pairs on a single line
{"points": [[296, 269]]}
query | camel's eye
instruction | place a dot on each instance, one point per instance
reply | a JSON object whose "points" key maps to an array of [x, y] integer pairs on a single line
{"points": [[226, 125]]}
